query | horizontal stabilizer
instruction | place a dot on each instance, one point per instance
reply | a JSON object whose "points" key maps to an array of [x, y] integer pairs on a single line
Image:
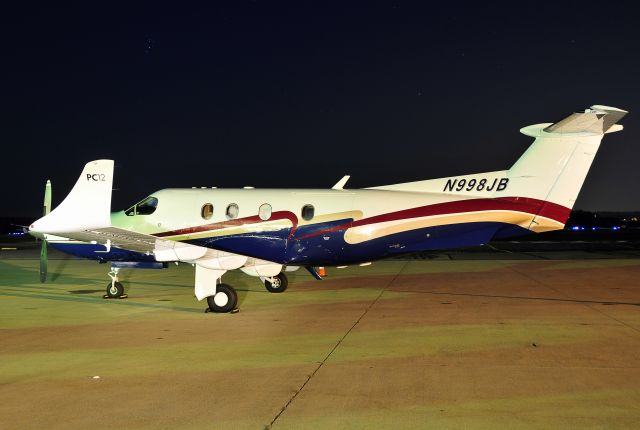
{"points": [[554, 167], [596, 120]]}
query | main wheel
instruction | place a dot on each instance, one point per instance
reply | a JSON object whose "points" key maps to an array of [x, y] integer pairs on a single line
{"points": [[115, 290], [279, 284], [225, 299]]}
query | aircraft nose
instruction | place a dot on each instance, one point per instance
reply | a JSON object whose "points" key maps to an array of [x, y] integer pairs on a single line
{"points": [[33, 231], [36, 228]]}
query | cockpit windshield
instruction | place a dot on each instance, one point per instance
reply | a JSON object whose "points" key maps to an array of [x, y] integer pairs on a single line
{"points": [[145, 207]]}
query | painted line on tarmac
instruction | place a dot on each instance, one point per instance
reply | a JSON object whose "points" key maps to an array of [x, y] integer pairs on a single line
{"points": [[299, 390]]}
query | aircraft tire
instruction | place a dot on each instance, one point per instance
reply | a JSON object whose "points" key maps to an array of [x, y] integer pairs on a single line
{"points": [[225, 299], [115, 290], [279, 286]]}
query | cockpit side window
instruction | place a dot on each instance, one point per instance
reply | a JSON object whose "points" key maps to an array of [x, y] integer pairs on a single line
{"points": [[145, 207]]}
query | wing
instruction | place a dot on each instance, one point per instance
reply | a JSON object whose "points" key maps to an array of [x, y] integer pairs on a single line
{"points": [[120, 238], [161, 249]]}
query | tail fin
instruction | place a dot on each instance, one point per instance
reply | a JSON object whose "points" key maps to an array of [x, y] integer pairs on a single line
{"points": [[88, 205], [554, 167], [546, 179]]}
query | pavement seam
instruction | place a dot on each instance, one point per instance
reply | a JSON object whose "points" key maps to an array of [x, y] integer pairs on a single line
{"points": [[321, 363], [612, 317], [498, 296], [590, 306]]}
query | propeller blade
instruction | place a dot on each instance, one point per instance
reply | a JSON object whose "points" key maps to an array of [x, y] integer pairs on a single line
{"points": [[43, 262], [24, 228], [47, 198]]}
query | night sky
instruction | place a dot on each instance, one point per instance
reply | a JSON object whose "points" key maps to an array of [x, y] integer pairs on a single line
{"points": [[285, 95]]}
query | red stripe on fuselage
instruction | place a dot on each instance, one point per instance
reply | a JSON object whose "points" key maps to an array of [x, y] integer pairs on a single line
{"points": [[519, 204]]}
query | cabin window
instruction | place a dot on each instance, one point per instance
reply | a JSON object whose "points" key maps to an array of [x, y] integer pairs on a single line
{"points": [[307, 212], [207, 211], [232, 211], [265, 211], [145, 207]]}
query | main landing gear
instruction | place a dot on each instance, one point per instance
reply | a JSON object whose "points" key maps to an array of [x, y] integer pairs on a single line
{"points": [[222, 298], [225, 300], [276, 284], [115, 290]]}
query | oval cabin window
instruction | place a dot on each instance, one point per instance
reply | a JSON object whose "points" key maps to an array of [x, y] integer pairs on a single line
{"points": [[264, 212], [232, 211], [307, 212], [207, 211]]}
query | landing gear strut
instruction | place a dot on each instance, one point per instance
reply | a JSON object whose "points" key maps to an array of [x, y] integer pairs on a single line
{"points": [[276, 284], [115, 290], [225, 299]]}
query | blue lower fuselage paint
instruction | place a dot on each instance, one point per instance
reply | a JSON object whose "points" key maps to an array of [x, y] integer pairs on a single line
{"points": [[329, 247], [321, 244]]}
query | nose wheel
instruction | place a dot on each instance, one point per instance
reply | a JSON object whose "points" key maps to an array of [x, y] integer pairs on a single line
{"points": [[276, 284], [115, 289]]}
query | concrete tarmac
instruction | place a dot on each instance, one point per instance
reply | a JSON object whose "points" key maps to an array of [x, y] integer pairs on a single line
{"points": [[436, 344]]}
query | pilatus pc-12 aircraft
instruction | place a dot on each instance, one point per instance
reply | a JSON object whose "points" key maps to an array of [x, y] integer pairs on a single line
{"points": [[267, 232]]}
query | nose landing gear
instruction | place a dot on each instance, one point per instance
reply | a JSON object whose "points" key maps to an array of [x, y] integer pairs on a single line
{"points": [[115, 289], [276, 284]]}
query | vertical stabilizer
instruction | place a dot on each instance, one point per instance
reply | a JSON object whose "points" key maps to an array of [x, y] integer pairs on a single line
{"points": [[554, 167]]}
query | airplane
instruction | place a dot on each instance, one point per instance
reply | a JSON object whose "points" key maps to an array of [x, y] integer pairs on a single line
{"points": [[265, 232]]}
